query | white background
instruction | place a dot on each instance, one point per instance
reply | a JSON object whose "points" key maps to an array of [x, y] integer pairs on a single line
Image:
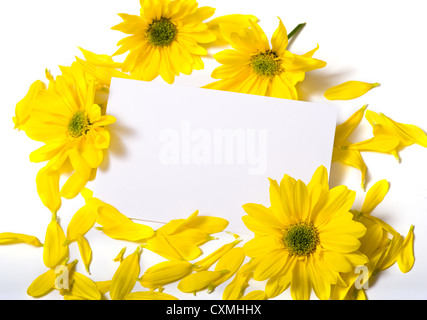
{"points": [[373, 41]]}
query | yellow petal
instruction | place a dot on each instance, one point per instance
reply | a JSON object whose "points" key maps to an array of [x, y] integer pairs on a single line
{"points": [[103, 286], [344, 130], [255, 295], [160, 245], [406, 258], [320, 176], [48, 189], [262, 214], [233, 23], [279, 40], [83, 288], [43, 284], [199, 281], [85, 251], [165, 272], [55, 248], [82, 221], [119, 257], [406, 133], [208, 261], [24, 107], [208, 224], [271, 263], [375, 196], [235, 289], [230, 262], [118, 226], [300, 286], [349, 90], [149, 295], [177, 225], [75, 183], [13, 238], [384, 144], [125, 277]]}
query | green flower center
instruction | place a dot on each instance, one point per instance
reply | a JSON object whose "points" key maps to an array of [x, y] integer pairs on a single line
{"points": [[79, 124], [161, 33], [266, 64], [301, 239]]}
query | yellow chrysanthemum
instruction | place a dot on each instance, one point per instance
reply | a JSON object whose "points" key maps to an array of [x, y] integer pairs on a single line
{"points": [[66, 119], [252, 66], [307, 237], [165, 39]]}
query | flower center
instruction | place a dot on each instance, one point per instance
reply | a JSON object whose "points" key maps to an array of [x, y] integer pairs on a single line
{"points": [[161, 33], [79, 124], [301, 239], [266, 64]]}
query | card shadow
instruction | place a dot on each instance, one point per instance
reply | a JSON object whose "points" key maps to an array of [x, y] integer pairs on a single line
{"points": [[118, 134]]}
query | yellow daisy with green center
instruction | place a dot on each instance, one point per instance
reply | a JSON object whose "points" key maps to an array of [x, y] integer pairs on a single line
{"points": [[71, 125], [306, 238], [253, 66], [165, 39]]}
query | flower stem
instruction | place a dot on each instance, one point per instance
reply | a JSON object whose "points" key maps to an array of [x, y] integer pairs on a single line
{"points": [[297, 29]]}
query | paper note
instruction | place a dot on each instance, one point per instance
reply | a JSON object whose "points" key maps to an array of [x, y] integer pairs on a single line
{"points": [[177, 149]]}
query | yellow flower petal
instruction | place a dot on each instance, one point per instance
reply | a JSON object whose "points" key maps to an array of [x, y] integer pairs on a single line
{"points": [[208, 261], [407, 134], [199, 281], [43, 284], [375, 196], [235, 289], [149, 295], [82, 221], [55, 248], [349, 90], [300, 285], [118, 226], [23, 107], [125, 277], [230, 262], [344, 130], [223, 26], [83, 288], [120, 256], [103, 286], [270, 264], [255, 295], [13, 238], [165, 272], [208, 224], [406, 258], [85, 251], [279, 40], [48, 189]]}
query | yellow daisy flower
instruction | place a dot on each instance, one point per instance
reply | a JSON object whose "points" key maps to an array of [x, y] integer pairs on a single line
{"points": [[165, 39], [307, 237], [253, 66], [65, 118]]}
